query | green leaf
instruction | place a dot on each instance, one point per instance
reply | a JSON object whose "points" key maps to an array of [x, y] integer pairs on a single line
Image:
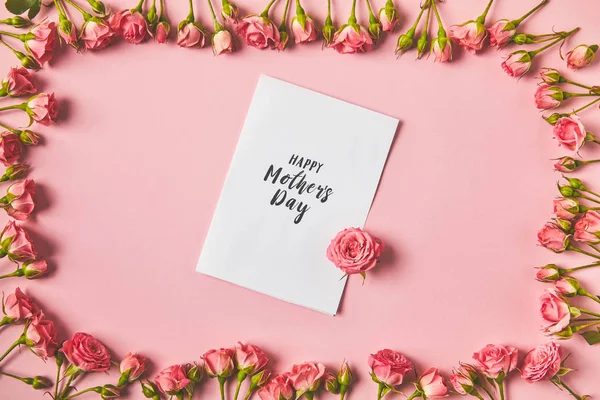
{"points": [[34, 10], [592, 337], [18, 7]]}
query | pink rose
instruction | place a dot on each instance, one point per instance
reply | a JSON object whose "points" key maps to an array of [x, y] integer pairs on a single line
{"points": [[222, 42], [555, 312], [18, 308], [566, 164], [541, 363], [258, 32], [553, 238], [501, 32], [581, 56], [219, 363], [461, 381], [551, 76], [133, 366], [162, 32], [354, 251], [306, 377], [351, 39], [495, 359], [18, 201], [191, 35], [389, 367], [96, 34], [441, 48], [283, 40], [431, 384], [10, 148], [249, 358], [68, 33], [40, 337], [548, 97], [566, 208], [17, 83], [15, 243], [86, 353], [230, 12], [34, 269], [570, 133], [43, 108], [568, 287], [132, 26], [470, 35], [517, 64], [587, 229], [388, 17], [279, 388], [304, 32], [548, 273], [42, 41], [172, 380]]}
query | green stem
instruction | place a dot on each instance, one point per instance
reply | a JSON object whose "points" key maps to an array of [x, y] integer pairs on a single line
{"points": [[139, 6], [265, 12], [501, 389], [571, 391], [92, 389], [58, 368], [237, 388], [18, 342], [19, 378], [584, 107], [487, 392], [441, 30], [162, 17], [577, 84], [482, 17], [352, 19], [248, 394], [587, 190], [222, 387], [529, 13], [328, 20], [596, 264], [371, 15], [578, 250], [21, 37], [414, 395], [8, 128], [563, 36], [588, 198], [18, 272], [380, 391], [190, 17], [22, 106], [66, 388], [569, 94], [343, 390], [216, 24], [584, 311], [285, 14], [86, 16], [577, 328], [591, 296]]}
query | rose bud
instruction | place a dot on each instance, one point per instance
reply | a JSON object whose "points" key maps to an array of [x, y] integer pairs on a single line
{"points": [[405, 42], [68, 33], [85, 353], [441, 48], [17, 21], [149, 390], [43, 108], [249, 358], [190, 34], [29, 138], [108, 391], [470, 35], [19, 200], [351, 39], [542, 363], [17, 83], [19, 308], [172, 380], [41, 41], [548, 97], [306, 378], [555, 312], [96, 34], [570, 132], [567, 164], [375, 28], [564, 224], [283, 41], [464, 381], [331, 384], [548, 273], [568, 287], [40, 337], [501, 32], [13, 172], [587, 229], [34, 269], [581, 56], [345, 375], [303, 28], [517, 64], [257, 381], [16, 244], [431, 385], [222, 42], [566, 208], [195, 372], [575, 183], [10, 148], [39, 382], [328, 32], [551, 76], [230, 12], [259, 32], [279, 388], [162, 32], [553, 238], [496, 360], [388, 16], [388, 368], [131, 368]]}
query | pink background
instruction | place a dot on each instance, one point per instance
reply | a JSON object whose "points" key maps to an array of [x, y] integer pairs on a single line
{"points": [[130, 177]]}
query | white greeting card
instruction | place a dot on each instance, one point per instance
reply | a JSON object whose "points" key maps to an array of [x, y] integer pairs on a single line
{"points": [[306, 166]]}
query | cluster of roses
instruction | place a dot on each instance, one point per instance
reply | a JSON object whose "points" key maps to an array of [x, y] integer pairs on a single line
{"points": [[491, 366], [74, 358], [247, 361], [19, 201]]}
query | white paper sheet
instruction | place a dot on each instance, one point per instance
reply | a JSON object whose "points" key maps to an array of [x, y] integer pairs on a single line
{"points": [[279, 251]]}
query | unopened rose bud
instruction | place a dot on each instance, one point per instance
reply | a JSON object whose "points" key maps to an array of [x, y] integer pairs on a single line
{"points": [[568, 191], [575, 183], [259, 379], [28, 61], [564, 224], [39, 382], [17, 21], [35, 269], [331, 384], [109, 392], [568, 287], [388, 16], [375, 28], [195, 373], [345, 375], [565, 334], [230, 12], [567, 164], [548, 273], [553, 119], [422, 45], [328, 31], [98, 7], [149, 390], [521, 39], [162, 32], [29, 138], [283, 41], [405, 42], [14, 172], [581, 56], [551, 76]]}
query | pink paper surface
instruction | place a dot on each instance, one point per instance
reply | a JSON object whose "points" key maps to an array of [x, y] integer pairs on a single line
{"points": [[129, 179]]}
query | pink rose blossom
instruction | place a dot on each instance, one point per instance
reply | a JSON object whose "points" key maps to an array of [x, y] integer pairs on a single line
{"points": [[550, 76], [40, 337], [306, 377], [19, 308], [354, 251], [162, 32], [279, 388], [16, 243], [441, 48], [86, 353], [388, 17], [570, 133], [548, 273], [566, 208], [553, 238], [219, 363], [230, 12], [494, 359], [42, 43], [17, 83], [68, 33], [172, 380], [134, 365], [249, 358], [10, 148], [581, 56], [222, 42], [568, 287], [258, 32], [548, 97], [431, 384], [35, 269], [191, 35], [587, 229], [43, 108], [96, 34], [566, 164], [461, 381], [389, 367], [306, 33], [352, 39], [542, 363], [555, 312], [501, 32], [470, 35], [19, 200], [131, 25], [517, 64]]}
